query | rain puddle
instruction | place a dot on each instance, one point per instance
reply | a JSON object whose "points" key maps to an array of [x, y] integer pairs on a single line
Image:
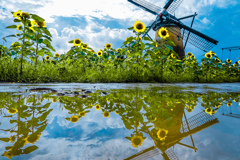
{"points": [[79, 121]]}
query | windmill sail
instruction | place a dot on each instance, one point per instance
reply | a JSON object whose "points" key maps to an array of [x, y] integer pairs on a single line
{"points": [[146, 6], [175, 4], [195, 38]]}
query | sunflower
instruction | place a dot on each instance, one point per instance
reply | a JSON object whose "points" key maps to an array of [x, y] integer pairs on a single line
{"points": [[56, 55], [228, 61], [85, 46], [16, 44], [137, 140], [97, 107], [187, 62], [31, 25], [17, 14], [212, 53], [108, 45], [163, 33], [106, 114], [25, 14], [19, 27], [223, 64], [12, 111], [47, 57], [229, 104], [217, 106], [217, 60], [119, 50], [8, 154], [12, 138], [74, 118], [83, 113], [139, 26], [189, 54], [99, 53], [40, 24], [208, 55], [117, 112], [210, 111], [54, 100], [234, 65], [77, 42], [238, 61], [162, 134]]}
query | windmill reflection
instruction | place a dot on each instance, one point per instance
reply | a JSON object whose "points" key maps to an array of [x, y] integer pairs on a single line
{"points": [[183, 127]]}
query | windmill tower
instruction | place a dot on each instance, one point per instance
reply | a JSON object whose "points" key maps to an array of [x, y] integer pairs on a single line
{"points": [[179, 33]]}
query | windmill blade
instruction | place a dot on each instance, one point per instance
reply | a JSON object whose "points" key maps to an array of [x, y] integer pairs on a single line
{"points": [[146, 6], [145, 154], [174, 5], [150, 27], [195, 38]]}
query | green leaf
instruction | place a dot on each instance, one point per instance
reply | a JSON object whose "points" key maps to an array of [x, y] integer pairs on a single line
{"points": [[12, 26], [46, 32], [71, 41], [5, 139], [4, 39], [17, 20], [37, 18], [147, 39], [169, 47], [30, 149], [171, 43], [40, 41], [130, 28], [13, 35]]}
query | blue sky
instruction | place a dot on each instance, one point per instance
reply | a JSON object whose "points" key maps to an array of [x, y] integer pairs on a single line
{"points": [[98, 22]]}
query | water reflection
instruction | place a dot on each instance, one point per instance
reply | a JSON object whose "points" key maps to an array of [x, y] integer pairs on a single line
{"points": [[164, 117]]}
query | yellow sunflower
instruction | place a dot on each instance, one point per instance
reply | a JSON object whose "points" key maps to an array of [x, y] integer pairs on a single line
{"points": [[74, 118], [106, 114], [217, 60], [16, 44], [85, 46], [17, 14], [97, 107], [189, 54], [77, 42], [210, 111], [208, 55], [238, 61], [8, 154], [212, 53], [139, 26], [117, 112], [99, 53], [83, 113], [228, 61], [162, 134], [163, 33], [12, 111], [137, 141], [40, 24], [108, 45], [54, 100], [229, 104], [119, 50], [47, 57], [34, 139], [12, 138], [223, 64], [56, 55], [217, 106], [19, 27], [25, 14]]}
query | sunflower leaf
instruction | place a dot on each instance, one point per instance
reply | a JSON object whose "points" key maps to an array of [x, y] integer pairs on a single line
{"points": [[46, 32], [37, 18], [12, 26], [5, 139], [30, 149], [16, 20], [71, 41]]}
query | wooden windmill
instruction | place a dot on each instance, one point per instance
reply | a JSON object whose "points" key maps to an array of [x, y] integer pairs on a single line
{"points": [[181, 129], [179, 33]]}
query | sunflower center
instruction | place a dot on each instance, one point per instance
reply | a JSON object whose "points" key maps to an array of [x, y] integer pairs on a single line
{"points": [[164, 33], [108, 46], [208, 55], [82, 114], [208, 110], [18, 14], [99, 53], [162, 134], [74, 119], [97, 107], [139, 26], [77, 41], [106, 114], [137, 141]]}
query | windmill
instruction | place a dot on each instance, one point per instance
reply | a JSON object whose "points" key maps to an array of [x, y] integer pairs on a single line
{"points": [[178, 31]]}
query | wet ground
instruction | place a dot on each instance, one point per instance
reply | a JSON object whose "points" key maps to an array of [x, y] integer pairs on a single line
{"points": [[72, 121]]}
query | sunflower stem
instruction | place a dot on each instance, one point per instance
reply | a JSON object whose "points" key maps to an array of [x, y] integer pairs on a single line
{"points": [[23, 41]]}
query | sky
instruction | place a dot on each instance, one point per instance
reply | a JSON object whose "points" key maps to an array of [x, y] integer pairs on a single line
{"points": [[98, 22]]}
